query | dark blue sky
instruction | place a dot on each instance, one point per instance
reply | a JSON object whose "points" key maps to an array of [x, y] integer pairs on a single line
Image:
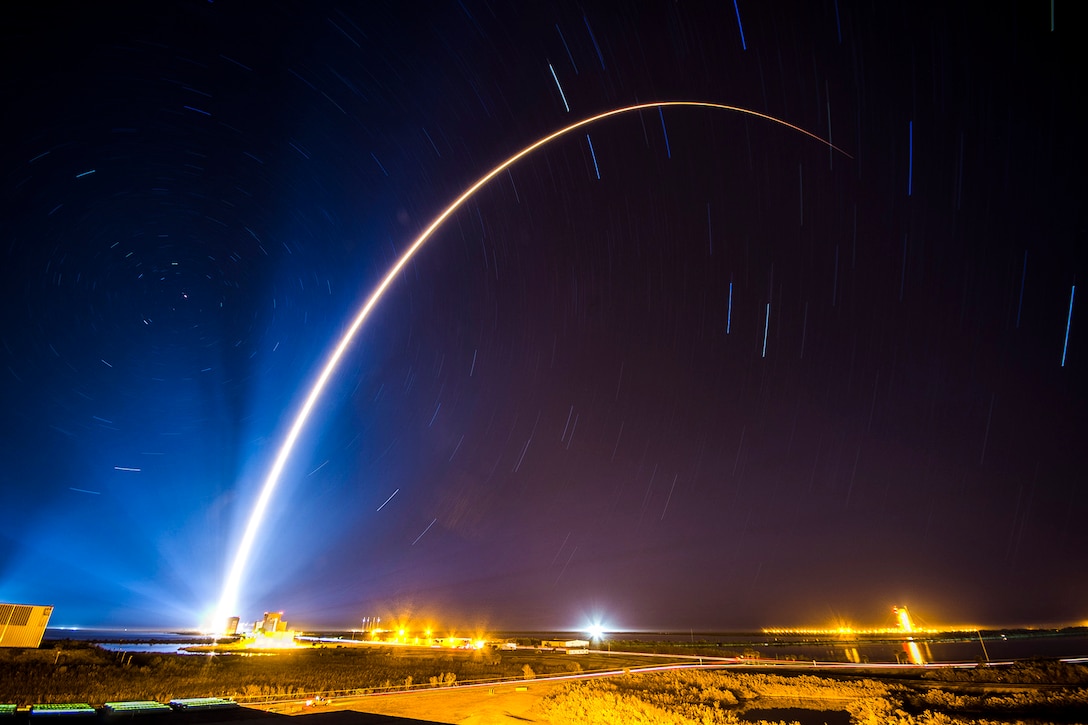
{"points": [[737, 380]]}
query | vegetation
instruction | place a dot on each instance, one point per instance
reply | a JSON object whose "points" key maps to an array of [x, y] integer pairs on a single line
{"points": [[1026, 672], [1037, 692], [1058, 703], [705, 698], [686, 697], [79, 672]]}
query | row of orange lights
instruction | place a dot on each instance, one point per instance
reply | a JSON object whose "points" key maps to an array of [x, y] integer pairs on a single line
{"points": [[848, 630], [403, 635]]}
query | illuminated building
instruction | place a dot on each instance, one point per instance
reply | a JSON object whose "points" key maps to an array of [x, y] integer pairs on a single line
{"points": [[271, 632], [272, 622], [570, 646], [232, 627], [280, 639], [23, 625]]}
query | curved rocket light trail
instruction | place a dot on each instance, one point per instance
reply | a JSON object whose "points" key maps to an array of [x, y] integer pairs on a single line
{"points": [[229, 597]]}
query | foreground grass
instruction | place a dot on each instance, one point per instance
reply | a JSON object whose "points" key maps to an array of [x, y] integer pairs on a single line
{"points": [[705, 698], [1033, 692], [77, 672]]}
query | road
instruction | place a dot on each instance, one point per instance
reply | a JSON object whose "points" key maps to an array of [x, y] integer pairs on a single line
{"points": [[473, 704]]}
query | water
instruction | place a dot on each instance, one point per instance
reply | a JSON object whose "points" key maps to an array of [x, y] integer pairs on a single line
{"points": [[993, 647], [154, 648], [130, 640], [959, 647], [118, 635]]}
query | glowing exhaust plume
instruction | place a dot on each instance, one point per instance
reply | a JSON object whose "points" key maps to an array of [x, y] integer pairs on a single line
{"points": [[229, 597]]}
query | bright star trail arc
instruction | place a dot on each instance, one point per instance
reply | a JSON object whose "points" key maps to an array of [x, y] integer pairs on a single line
{"points": [[228, 601]]}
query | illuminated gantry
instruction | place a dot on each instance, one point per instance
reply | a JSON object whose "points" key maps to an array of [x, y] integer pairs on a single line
{"points": [[906, 624]]}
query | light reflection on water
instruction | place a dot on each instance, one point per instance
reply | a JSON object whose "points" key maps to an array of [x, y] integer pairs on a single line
{"points": [[921, 650]]}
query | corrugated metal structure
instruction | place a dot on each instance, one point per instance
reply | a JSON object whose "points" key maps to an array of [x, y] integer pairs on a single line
{"points": [[23, 625]]}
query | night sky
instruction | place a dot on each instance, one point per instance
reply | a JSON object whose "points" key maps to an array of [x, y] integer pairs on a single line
{"points": [[693, 370]]}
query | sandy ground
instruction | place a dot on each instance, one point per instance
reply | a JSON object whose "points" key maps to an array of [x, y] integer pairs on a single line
{"points": [[512, 702]]}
